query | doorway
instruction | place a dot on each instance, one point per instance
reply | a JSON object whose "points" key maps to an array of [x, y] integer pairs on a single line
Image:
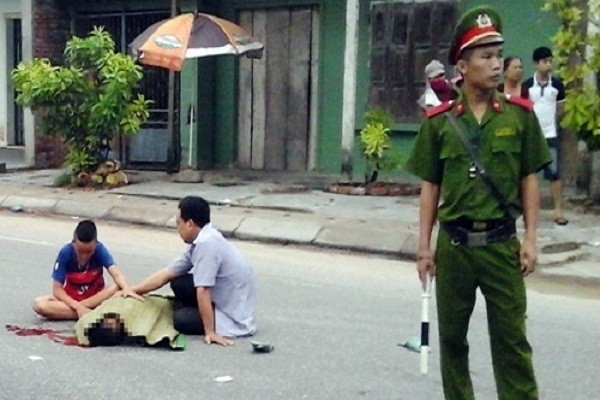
{"points": [[277, 94]]}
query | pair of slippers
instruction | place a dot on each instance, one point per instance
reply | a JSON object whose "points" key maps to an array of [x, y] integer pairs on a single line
{"points": [[562, 221]]}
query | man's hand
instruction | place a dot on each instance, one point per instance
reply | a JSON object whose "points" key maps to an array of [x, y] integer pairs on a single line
{"points": [[128, 293], [212, 337], [528, 256], [425, 265]]}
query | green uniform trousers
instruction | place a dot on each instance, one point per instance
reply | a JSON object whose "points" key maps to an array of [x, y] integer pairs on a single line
{"points": [[493, 268]]}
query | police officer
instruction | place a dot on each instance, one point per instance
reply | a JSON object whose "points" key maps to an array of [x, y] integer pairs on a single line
{"points": [[477, 245]]}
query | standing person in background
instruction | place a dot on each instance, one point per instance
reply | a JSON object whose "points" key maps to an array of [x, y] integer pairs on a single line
{"points": [[477, 246], [548, 93], [513, 75], [437, 88]]}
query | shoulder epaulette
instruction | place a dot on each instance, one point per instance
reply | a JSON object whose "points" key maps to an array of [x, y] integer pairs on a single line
{"points": [[432, 112], [518, 100]]}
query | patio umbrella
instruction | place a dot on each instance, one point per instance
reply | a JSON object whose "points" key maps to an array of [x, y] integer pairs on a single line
{"points": [[169, 42]]}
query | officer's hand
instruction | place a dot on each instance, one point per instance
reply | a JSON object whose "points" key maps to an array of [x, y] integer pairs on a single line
{"points": [[213, 337], [528, 256], [425, 266]]}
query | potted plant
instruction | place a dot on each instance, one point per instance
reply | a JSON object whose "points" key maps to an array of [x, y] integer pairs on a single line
{"points": [[87, 101], [378, 150]]}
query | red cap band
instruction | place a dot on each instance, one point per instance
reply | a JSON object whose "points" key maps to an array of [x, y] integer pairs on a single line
{"points": [[473, 34]]}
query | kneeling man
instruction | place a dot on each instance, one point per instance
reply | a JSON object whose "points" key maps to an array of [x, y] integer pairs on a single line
{"points": [[212, 282]]}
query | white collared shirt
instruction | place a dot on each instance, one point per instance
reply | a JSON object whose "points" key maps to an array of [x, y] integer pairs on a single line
{"points": [[545, 100]]}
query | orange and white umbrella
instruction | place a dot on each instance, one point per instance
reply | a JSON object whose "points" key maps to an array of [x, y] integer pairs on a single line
{"points": [[169, 42]]}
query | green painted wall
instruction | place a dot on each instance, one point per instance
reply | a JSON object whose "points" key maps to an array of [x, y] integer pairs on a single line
{"points": [[331, 82]]}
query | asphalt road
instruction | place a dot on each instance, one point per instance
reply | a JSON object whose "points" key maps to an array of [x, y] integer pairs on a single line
{"points": [[334, 318]]}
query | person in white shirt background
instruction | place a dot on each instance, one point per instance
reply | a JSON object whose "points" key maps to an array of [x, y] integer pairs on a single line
{"points": [[548, 94]]}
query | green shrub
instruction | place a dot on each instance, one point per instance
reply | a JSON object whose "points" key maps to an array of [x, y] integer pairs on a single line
{"points": [[88, 101], [375, 141]]}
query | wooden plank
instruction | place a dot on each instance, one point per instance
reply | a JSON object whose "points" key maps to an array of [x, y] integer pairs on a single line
{"points": [[277, 31], [259, 104], [244, 143], [299, 69], [314, 91]]}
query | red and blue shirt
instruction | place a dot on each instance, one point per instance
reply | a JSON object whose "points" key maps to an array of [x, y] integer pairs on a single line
{"points": [[81, 281]]}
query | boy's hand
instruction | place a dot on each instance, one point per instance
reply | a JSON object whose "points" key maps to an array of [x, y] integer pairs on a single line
{"points": [[82, 310], [128, 293]]}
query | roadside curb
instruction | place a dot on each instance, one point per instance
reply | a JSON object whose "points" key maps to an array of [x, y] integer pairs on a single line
{"points": [[239, 222], [385, 227]]}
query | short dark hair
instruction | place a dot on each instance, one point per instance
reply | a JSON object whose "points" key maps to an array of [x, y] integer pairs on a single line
{"points": [[86, 231], [509, 59], [196, 209], [540, 53], [103, 332], [466, 54]]}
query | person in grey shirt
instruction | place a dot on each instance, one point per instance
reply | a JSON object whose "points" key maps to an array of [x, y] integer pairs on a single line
{"points": [[213, 284]]}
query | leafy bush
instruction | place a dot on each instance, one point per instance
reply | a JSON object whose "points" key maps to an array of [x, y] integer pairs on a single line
{"points": [[86, 102], [578, 55], [377, 147]]}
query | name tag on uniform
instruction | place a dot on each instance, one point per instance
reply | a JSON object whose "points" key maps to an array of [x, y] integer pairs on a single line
{"points": [[508, 131]]}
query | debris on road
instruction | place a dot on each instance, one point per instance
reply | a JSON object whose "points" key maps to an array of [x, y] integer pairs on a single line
{"points": [[262, 347]]}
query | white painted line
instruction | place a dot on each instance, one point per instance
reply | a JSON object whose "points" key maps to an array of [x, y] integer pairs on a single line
{"points": [[27, 241]]}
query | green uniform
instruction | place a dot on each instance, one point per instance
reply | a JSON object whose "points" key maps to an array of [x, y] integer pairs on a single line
{"points": [[511, 146]]}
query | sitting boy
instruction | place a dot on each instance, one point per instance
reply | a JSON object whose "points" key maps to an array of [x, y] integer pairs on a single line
{"points": [[78, 282]]}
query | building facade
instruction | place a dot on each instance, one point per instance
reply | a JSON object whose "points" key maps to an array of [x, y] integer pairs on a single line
{"points": [[283, 112]]}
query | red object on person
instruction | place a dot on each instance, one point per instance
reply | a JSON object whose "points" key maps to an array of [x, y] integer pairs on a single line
{"points": [[84, 284]]}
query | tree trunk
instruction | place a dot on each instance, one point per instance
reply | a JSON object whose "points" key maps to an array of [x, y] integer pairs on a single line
{"points": [[569, 139]]}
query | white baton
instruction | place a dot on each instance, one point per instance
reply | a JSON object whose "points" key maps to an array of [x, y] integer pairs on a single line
{"points": [[425, 296]]}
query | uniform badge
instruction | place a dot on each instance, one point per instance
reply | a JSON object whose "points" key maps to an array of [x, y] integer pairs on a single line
{"points": [[484, 21], [508, 131]]}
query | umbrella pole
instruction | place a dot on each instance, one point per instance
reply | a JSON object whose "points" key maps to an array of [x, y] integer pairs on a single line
{"points": [[171, 123], [171, 111], [192, 117], [191, 150]]}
